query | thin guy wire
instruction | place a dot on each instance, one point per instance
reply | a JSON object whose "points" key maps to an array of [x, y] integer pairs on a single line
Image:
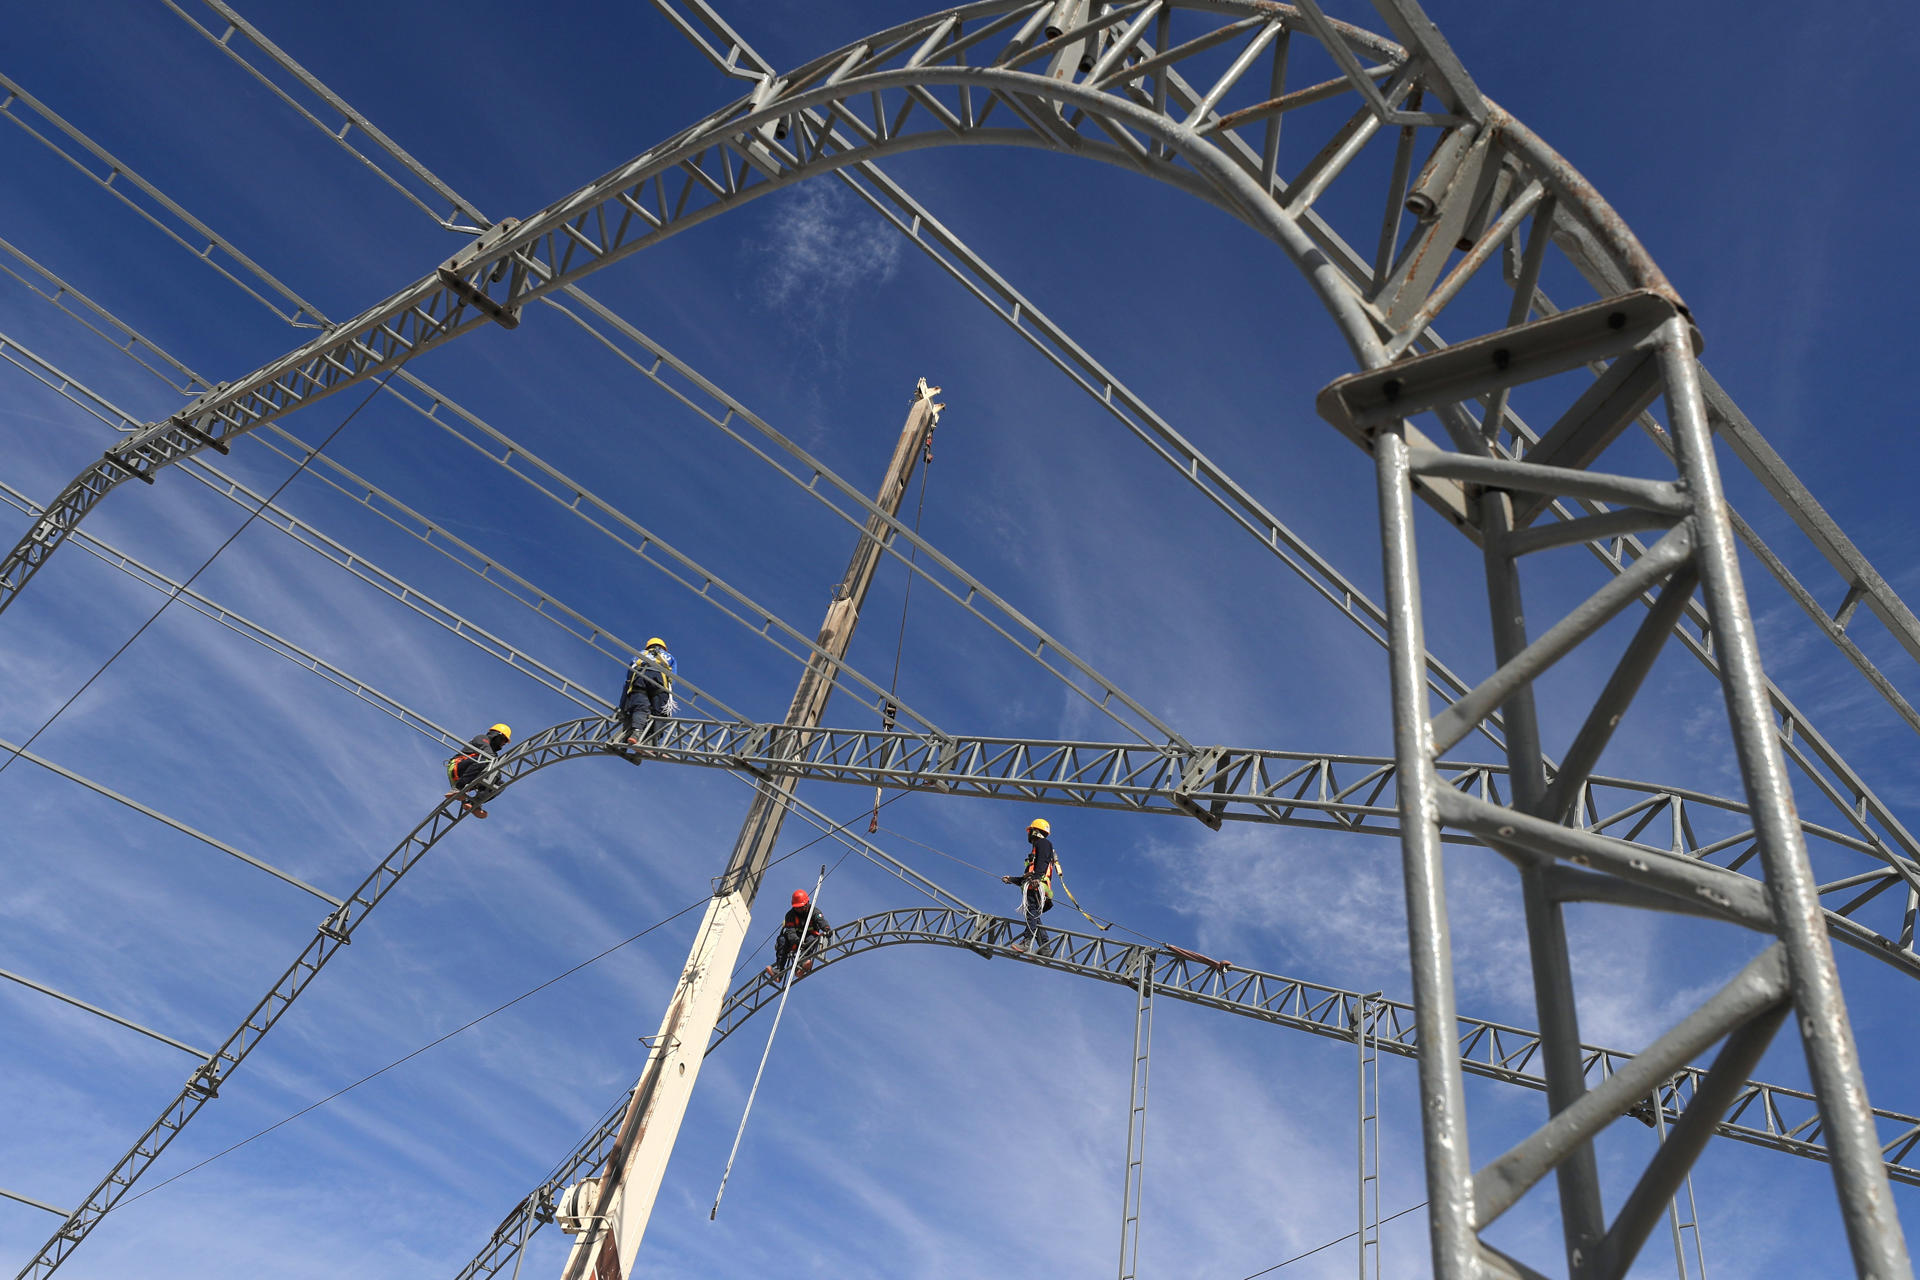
{"points": [[931, 849], [1329, 1244], [913, 565], [99, 671], [423, 1048]]}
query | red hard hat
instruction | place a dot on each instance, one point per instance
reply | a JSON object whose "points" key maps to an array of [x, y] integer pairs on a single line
{"points": [[800, 898]]}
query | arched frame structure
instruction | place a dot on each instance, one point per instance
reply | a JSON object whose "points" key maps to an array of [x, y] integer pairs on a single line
{"points": [[1765, 1115], [1282, 788], [1109, 82]]}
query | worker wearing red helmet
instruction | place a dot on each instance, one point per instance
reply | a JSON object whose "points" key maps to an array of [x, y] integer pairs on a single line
{"points": [[801, 920], [1036, 884]]}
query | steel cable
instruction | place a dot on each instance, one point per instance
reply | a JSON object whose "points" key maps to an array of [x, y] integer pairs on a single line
{"points": [[101, 670]]}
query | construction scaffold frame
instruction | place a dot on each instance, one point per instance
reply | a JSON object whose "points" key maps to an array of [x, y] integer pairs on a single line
{"points": [[1104, 81]]}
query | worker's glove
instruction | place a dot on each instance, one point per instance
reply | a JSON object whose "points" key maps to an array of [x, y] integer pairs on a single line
{"points": [[1009, 880]]}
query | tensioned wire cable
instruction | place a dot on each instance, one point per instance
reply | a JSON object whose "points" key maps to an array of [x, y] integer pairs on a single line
{"points": [[1329, 1244], [465, 1026], [173, 595], [498, 1009], [906, 598]]}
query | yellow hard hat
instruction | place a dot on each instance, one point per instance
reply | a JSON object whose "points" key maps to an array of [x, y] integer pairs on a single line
{"points": [[1040, 824], [502, 730], [656, 641]]}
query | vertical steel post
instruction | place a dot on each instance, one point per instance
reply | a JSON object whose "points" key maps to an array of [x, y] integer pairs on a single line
{"points": [[638, 1161], [1130, 1192], [1833, 1061], [1582, 1219], [1366, 1016], [1443, 1108]]}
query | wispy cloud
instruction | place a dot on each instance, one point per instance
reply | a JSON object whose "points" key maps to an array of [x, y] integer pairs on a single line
{"points": [[823, 253]]}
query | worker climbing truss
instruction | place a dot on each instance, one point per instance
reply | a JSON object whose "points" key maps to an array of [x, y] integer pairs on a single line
{"points": [[1109, 82]]}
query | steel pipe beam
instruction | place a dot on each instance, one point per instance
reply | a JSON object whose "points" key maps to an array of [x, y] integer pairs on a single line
{"points": [[98, 1012]]}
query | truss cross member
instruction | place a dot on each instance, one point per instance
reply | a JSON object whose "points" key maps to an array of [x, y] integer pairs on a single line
{"points": [[29, 1200], [98, 1012]]}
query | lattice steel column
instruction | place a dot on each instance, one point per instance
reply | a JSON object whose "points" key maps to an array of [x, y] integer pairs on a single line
{"points": [[1684, 1221], [1366, 1038], [1137, 1114], [1648, 345]]}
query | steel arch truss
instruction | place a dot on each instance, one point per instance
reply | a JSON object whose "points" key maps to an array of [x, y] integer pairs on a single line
{"points": [[1118, 83], [1328, 792], [1351, 794], [1764, 1115], [954, 78], [569, 740]]}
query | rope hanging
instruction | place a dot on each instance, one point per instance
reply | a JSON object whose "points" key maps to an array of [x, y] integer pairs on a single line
{"points": [[906, 598]]}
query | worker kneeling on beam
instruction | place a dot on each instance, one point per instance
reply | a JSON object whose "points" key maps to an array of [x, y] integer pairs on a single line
{"points": [[1036, 885], [802, 922], [476, 772], [648, 693]]}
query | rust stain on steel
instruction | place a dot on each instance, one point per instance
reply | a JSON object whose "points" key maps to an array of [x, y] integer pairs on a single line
{"points": [[1584, 199], [1285, 102], [1197, 958]]}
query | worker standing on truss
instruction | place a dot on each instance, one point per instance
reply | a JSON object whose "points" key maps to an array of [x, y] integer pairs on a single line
{"points": [[475, 771], [648, 692], [1036, 884], [802, 922]]}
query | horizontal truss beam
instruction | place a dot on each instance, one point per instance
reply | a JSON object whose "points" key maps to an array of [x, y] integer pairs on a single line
{"points": [[1219, 784]]}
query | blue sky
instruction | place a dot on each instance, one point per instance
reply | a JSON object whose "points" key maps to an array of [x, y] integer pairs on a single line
{"points": [[924, 1114]]}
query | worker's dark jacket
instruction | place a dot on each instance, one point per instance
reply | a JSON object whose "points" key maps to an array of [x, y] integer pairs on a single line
{"points": [[1039, 869], [798, 916], [468, 767]]}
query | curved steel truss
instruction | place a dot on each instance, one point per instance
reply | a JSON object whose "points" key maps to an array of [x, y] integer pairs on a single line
{"points": [[1489, 207], [1332, 792], [1765, 1115], [571, 740]]}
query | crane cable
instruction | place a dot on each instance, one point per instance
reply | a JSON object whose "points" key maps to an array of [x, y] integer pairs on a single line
{"points": [[899, 645]]}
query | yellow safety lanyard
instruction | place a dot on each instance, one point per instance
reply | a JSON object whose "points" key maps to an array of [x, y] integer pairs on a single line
{"points": [[1060, 870]]}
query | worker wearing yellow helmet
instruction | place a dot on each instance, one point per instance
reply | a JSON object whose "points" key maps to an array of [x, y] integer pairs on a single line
{"points": [[648, 693], [1036, 885], [474, 773]]}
